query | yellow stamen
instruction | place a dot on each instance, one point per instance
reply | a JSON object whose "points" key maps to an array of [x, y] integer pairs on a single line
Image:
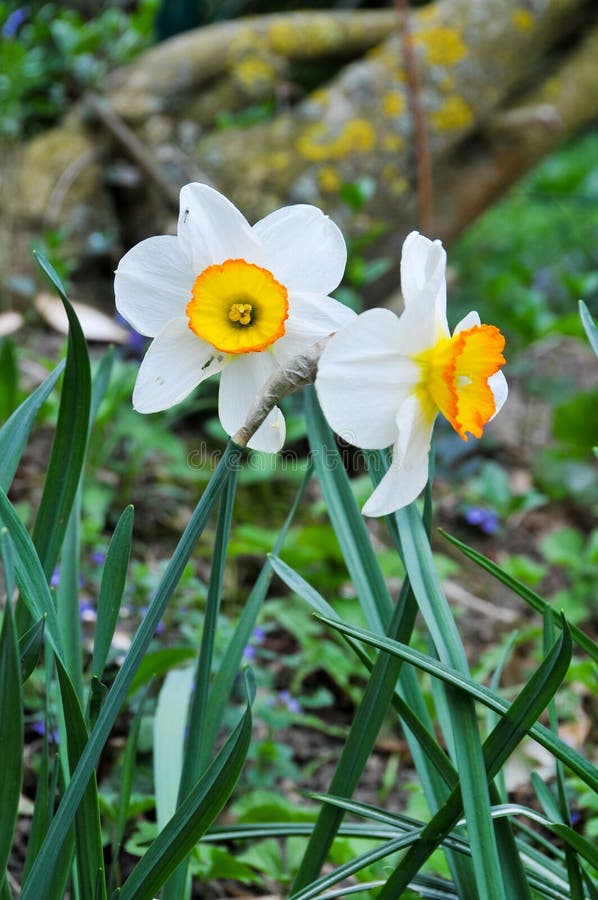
{"points": [[238, 307], [241, 313], [455, 375]]}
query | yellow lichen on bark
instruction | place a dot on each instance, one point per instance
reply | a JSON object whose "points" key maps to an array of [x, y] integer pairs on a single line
{"points": [[254, 74], [329, 179], [321, 35], [393, 181], [356, 136], [523, 19], [443, 46], [393, 103], [392, 143], [453, 115]]}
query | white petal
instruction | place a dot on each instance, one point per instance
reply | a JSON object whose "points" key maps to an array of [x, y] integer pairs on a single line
{"points": [[311, 317], [362, 379], [211, 229], [423, 274], [408, 473], [498, 385], [270, 436], [240, 384], [176, 362], [419, 328], [469, 321], [152, 284], [303, 248]]}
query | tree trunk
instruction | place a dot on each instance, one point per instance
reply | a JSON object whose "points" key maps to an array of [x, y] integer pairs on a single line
{"points": [[502, 83]]}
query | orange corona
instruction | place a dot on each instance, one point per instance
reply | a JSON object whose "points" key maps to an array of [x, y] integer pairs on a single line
{"points": [[238, 307], [455, 375]]}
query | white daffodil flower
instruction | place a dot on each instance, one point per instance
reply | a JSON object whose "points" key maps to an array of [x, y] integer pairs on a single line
{"points": [[383, 378], [222, 296]]}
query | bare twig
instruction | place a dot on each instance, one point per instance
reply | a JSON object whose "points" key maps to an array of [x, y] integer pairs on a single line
{"points": [[64, 184], [423, 167], [132, 146], [467, 600]]}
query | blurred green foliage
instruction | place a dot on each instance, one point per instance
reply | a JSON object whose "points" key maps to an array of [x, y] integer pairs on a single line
{"points": [[526, 262], [51, 54]]}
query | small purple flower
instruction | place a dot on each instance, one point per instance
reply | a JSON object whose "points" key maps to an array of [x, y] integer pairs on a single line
{"points": [[87, 611], [98, 558], [291, 704], [481, 517], [55, 577], [258, 636], [13, 23], [137, 341], [39, 727]]}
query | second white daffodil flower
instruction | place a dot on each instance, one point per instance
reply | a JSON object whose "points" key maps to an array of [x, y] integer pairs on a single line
{"points": [[383, 379], [222, 296]]}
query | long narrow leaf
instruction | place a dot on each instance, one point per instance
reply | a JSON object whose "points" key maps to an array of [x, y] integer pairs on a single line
{"points": [[565, 832], [408, 703], [227, 673], [112, 588], [421, 570], [67, 598], [89, 856], [359, 744], [170, 725], [375, 602], [30, 576], [531, 598], [196, 753], [519, 719], [44, 802], [346, 519], [562, 811], [46, 860], [30, 648], [15, 431], [432, 781], [126, 786], [589, 326], [70, 439], [193, 817], [573, 760], [11, 732], [408, 711]]}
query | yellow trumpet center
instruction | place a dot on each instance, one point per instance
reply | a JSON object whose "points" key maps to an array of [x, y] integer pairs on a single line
{"points": [[238, 307], [455, 375]]}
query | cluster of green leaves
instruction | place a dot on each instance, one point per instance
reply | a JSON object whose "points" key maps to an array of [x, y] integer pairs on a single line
{"points": [[86, 712], [525, 264], [50, 54], [486, 840], [533, 255]]}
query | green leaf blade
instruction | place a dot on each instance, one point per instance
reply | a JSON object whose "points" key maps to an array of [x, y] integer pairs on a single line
{"points": [[193, 817], [70, 440], [589, 326], [15, 431], [11, 733], [111, 590], [48, 857]]}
